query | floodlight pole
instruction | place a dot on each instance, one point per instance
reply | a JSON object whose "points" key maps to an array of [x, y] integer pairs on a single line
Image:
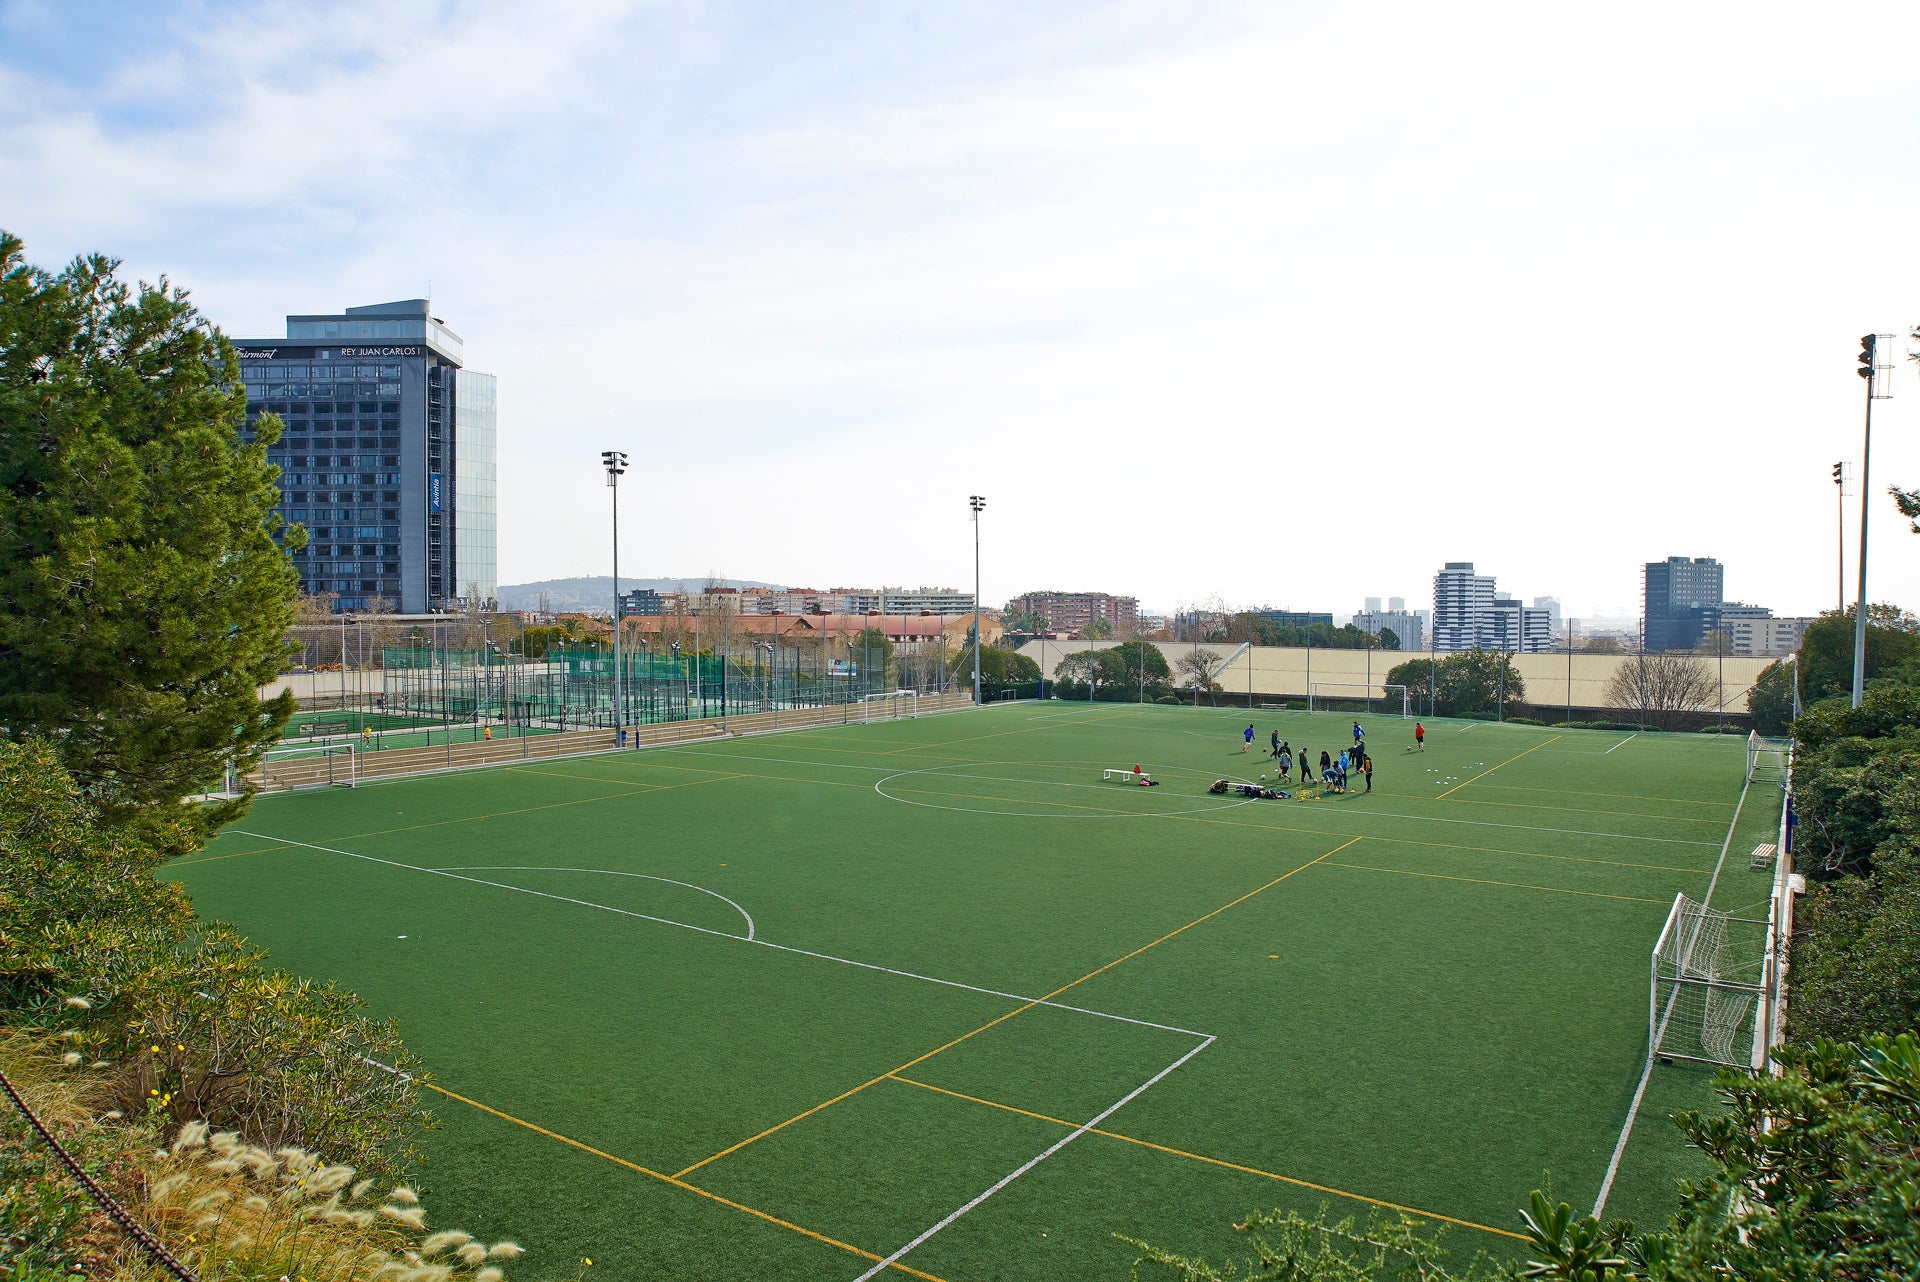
{"points": [[1840, 513], [616, 462], [1869, 372], [974, 503]]}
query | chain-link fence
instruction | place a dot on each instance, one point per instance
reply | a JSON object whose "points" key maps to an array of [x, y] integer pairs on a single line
{"points": [[412, 695]]}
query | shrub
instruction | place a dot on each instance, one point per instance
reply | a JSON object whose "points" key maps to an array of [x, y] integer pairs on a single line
{"points": [[1855, 968], [192, 1023]]}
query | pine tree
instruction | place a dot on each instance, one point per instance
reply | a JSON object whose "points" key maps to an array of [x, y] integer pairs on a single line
{"points": [[143, 599]]}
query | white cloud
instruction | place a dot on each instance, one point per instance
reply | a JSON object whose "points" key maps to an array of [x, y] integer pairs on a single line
{"points": [[1282, 306]]}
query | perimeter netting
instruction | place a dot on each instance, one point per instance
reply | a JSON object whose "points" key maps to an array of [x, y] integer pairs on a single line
{"points": [[1708, 973]]}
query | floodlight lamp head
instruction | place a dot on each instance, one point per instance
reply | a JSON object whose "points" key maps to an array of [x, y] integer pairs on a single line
{"points": [[615, 461], [1866, 356], [1836, 472], [975, 502]]}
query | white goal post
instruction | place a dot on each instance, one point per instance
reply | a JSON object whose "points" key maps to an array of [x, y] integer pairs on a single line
{"points": [[891, 706], [317, 766], [1709, 974], [1323, 693], [1768, 759]]}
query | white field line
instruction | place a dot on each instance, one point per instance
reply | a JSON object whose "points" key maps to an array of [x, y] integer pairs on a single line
{"points": [[1206, 1039], [722, 934], [604, 872], [1032, 1162], [1633, 1110], [1623, 742], [1370, 812]]}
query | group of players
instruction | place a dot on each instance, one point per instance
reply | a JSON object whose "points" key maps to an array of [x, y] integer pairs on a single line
{"points": [[1334, 771]]}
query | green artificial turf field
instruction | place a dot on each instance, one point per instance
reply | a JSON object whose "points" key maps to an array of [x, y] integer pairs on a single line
{"points": [[787, 1006]]}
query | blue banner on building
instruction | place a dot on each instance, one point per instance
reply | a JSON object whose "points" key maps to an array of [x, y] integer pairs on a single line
{"points": [[433, 493]]}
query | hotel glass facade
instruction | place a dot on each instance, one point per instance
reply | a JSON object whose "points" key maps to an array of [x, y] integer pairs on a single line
{"points": [[387, 457]]}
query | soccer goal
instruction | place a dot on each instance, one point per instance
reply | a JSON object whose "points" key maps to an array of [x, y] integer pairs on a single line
{"points": [[1708, 978], [1326, 696], [1769, 760], [891, 706], [317, 766]]}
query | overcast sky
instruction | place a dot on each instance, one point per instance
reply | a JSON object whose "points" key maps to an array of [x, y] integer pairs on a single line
{"points": [[1275, 303]]}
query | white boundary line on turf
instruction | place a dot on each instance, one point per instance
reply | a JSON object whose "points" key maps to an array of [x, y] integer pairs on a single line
{"points": [[1623, 743], [1206, 1039], [604, 872], [723, 934], [1633, 1110], [1032, 1162]]}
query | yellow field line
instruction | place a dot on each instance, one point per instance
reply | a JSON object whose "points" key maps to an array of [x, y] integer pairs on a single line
{"points": [[1621, 796], [1535, 854], [214, 859], [1214, 1161], [847, 1094], [1511, 885], [1509, 761], [675, 1181]]}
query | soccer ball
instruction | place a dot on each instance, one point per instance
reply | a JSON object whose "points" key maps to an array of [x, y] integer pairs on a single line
{"points": [[1263, 778]]}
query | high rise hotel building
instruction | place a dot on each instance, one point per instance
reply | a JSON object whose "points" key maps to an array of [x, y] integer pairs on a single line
{"points": [[387, 458]]}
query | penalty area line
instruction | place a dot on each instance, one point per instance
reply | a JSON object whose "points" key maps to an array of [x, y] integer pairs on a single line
{"points": [[893, 1261]]}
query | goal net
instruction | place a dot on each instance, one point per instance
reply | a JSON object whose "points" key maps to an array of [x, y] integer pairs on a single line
{"points": [[1708, 974], [1768, 760], [891, 706], [1349, 696], [318, 766]]}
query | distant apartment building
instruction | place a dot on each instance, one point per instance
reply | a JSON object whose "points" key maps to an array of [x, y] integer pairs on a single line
{"points": [[1515, 628], [1462, 606], [943, 601], [642, 602], [1682, 600], [1468, 612], [1753, 630], [759, 601], [1556, 622], [1072, 611], [1409, 627]]}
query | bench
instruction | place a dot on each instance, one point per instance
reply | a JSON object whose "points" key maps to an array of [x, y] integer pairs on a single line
{"points": [[1763, 855], [1124, 774]]}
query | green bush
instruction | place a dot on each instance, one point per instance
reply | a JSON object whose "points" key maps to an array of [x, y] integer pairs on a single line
{"points": [[188, 1021], [1856, 968]]}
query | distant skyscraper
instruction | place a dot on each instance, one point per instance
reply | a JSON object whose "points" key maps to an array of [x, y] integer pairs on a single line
{"points": [[387, 457], [1681, 602], [1555, 623], [1462, 607]]}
